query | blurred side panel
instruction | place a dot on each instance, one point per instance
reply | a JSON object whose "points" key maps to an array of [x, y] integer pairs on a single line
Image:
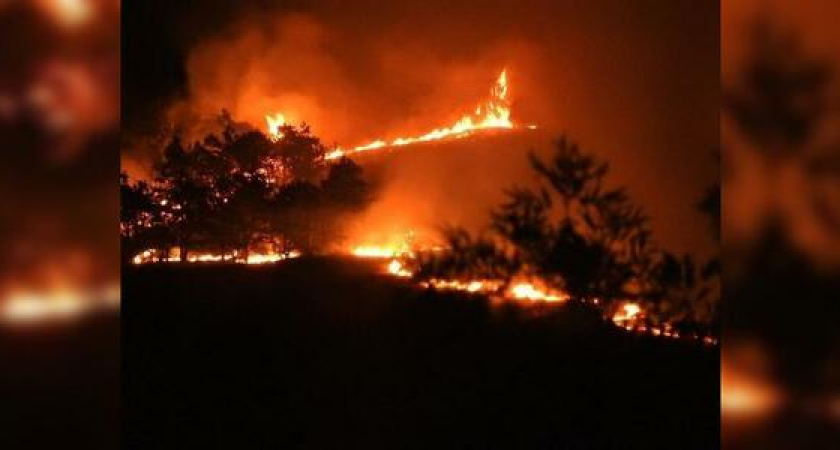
{"points": [[59, 270], [780, 137]]}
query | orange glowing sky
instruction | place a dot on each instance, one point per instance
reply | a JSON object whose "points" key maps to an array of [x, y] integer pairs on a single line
{"points": [[634, 86]]}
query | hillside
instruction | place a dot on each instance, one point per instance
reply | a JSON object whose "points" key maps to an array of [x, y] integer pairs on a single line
{"points": [[328, 353]]}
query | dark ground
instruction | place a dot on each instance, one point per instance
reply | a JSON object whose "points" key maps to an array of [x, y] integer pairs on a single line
{"points": [[326, 353], [60, 385]]}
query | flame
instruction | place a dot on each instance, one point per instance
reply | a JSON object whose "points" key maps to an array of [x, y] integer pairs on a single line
{"points": [[252, 258], [264, 258], [527, 291], [518, 291], [397, 244], [628, 312], [629, 316], [493, 113], [395, 267], [473, 286], [373, 251], [274, 123]]}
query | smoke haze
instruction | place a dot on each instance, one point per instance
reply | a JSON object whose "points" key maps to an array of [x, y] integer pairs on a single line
{"points": [[636, 85]]}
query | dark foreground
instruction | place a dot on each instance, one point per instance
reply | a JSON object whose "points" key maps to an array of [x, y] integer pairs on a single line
{"points": [[60, 384], [326, 353]]}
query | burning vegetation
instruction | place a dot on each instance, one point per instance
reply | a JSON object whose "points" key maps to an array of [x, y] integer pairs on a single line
{"points": [[573, 238], [253, 198], [241, 193], [493, 113], [244, 196]]}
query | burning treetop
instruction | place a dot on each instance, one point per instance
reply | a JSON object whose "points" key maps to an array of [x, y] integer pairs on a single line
{"points": [[492, 113]]}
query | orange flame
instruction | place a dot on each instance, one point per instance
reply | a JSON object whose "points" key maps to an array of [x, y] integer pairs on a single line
{"points": [[401, 244], [373, 251], [528, 291], [629, 316], [274, 123], [395, 267], [493, 113], [628, 313], [252, 258]]}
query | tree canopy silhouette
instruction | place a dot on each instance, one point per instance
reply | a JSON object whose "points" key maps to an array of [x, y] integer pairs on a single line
{"points": [[239, 188], [579, 235]]}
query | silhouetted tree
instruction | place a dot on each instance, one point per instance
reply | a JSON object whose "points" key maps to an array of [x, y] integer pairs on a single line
{"points": [[238, 188], [137, 215], [249, 151], [575, 232], [243, 216], [300, 155], [579, 235], [345, 186], [299, 206], [468, 257]]}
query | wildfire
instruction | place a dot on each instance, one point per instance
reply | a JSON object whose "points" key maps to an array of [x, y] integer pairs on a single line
{"points": [[629, 316], [626, 314], [474, 286], [374, 251], [493, 113], [395, 267], [518, 291], [274, 123], [396, 244], [252, 258], [527, 291]]}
